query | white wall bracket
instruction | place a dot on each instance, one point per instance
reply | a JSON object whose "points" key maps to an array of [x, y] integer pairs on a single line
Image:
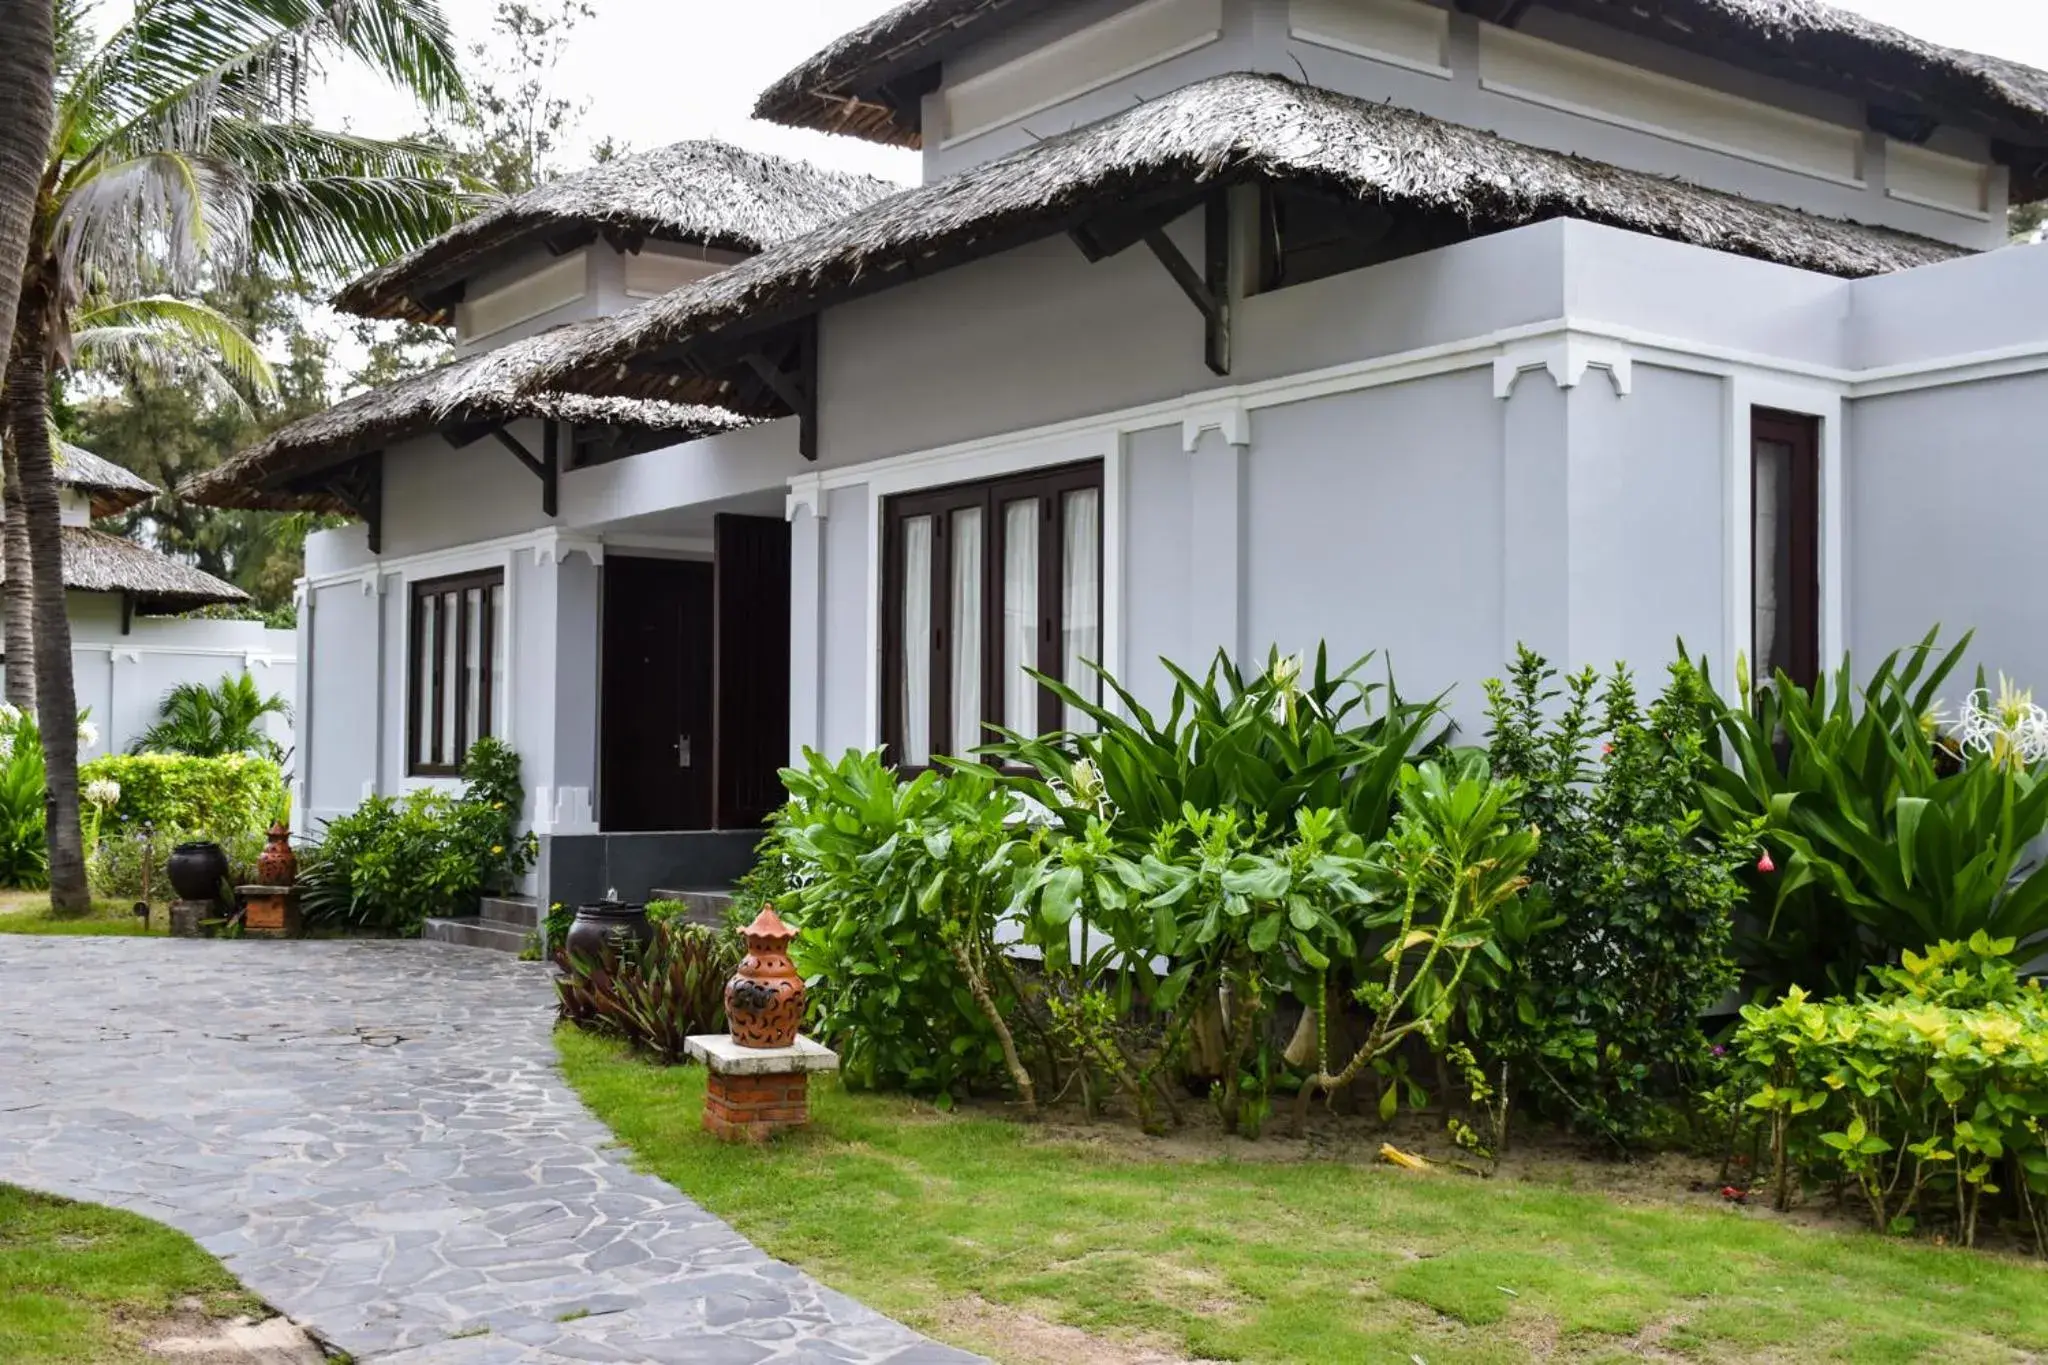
{"points": [[1233, 420], [1567, 358]]}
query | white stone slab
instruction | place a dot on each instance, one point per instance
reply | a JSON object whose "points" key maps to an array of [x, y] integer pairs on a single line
{"points": [[728, 1058]]}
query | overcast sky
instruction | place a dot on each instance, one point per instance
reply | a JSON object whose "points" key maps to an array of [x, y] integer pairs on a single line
{"points": [[658, 71]]}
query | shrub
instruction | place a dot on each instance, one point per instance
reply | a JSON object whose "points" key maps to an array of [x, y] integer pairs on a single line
{"points": [[24, 856], [217, 797], [392, 863], [657, 998], [1594, 1004], [1929, 1096], [211, 722], [905, 882]]}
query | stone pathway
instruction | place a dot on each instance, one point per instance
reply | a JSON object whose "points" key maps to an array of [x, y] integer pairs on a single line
{"points": [[374, 1137]]}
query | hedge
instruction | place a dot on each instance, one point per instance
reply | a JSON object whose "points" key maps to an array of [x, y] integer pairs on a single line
{"points": [[178, 793]]}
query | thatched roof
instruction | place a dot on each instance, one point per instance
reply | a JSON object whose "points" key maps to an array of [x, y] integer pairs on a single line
{"points": [[97, 562], [113, 489], [706, 193], [1216, 131], [866, 83], [474, 391]]}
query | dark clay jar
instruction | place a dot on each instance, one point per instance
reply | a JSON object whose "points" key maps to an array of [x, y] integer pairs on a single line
{"points": [[622, 926], [197, 870]]}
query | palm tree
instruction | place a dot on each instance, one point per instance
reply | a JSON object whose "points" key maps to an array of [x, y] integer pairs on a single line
{"points": [[216, 721], [27, 73], [179, 150]]}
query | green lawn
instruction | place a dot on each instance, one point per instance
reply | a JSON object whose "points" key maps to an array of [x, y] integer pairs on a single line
{"points": [[28, 912], [991, 1236], [86, 1284]]}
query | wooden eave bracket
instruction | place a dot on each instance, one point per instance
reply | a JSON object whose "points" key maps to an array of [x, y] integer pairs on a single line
{"points": [[1210, 289], [547, 466], [794, 379], [358, 486]]}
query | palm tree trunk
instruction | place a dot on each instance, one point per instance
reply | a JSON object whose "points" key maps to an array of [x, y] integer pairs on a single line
{"points": [[17, 591], [28, 67], [28, 402]]}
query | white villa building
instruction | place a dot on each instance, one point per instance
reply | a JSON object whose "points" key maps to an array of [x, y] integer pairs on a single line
{"points": [[1215, 324]]}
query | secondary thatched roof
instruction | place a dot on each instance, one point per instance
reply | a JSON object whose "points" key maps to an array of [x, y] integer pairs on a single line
{"points": [[707, 193], [476, 390], [97, 562], [113, 489], [864, 83], [1219, 130]]}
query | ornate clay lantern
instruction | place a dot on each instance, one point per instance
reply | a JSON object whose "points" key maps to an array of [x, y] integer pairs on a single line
{"points": [[764, 1001]]}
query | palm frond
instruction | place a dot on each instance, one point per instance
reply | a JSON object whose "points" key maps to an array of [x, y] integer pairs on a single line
{"points": [[157, 215], [343, 225], [167, 333]]}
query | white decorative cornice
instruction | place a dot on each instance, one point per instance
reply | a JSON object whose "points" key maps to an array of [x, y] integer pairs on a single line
{"points": [[1567, 355], [557, 547], [806, 490], [1233, 420]]}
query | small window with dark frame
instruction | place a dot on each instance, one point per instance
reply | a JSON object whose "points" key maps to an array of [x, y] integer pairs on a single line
{"points": [[980, 582], [1784, 518], [455, 671]]}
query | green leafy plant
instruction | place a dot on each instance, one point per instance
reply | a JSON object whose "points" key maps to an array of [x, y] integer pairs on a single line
{"points": [[1593, 996], [1888, 832], [223, 797], [904, 884], [655, 998], [24, 855], [392, 864], [1431, 894], [211, 722], [1928, 1096], [1262, 747]]}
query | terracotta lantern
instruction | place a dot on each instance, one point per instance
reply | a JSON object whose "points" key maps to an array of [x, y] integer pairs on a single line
{"points": [[764, 1001], [278, 865]]}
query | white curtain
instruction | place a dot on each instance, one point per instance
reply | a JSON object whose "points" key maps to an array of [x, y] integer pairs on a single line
{"points": [[1020, 615], [1081, 577], [1769, 551], [497, 615], [967, 603], [916, 719], [473, 663], [451, 679]]}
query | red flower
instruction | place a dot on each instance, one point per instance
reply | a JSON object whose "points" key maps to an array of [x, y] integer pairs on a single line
{"points": [[1765, 865]]}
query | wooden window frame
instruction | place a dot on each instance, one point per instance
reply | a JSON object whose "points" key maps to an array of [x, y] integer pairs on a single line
{"points": [[1802, 596], [433, 672], [989, 496]]}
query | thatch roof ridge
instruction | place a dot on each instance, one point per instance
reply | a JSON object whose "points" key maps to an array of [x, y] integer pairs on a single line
{"points": [[703, 191], [1795, 39], [475, 388], [95, 561], [1224, 127], [112, 489]]}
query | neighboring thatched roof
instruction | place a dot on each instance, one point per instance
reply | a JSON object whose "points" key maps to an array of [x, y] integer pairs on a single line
{"points": [[705, 193], [1224, 129], [113, 489], [847, 87], [97, 562], [476, 390]]}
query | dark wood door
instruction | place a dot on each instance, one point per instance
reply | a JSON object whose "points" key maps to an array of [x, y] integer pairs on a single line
{"points": [[751, 556], [656, 722]]}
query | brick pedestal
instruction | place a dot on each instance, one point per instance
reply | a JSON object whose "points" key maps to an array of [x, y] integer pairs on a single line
{"points": [[269, 911], [755, 1093]]}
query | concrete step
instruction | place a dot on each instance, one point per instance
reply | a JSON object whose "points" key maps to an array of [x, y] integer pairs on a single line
{"points": [[473, 932], [705, 907], [514, 912]]}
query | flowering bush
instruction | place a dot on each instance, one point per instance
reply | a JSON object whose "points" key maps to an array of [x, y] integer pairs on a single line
{"points": [[392, 863], [1928, 1097]]}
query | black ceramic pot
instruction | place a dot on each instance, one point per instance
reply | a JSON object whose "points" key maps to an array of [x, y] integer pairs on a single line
{"points": [[197, 870], [622, 927]]}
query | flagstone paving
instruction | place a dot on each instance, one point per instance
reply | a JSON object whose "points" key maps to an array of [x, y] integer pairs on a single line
{"points": [[375, 1138]]}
